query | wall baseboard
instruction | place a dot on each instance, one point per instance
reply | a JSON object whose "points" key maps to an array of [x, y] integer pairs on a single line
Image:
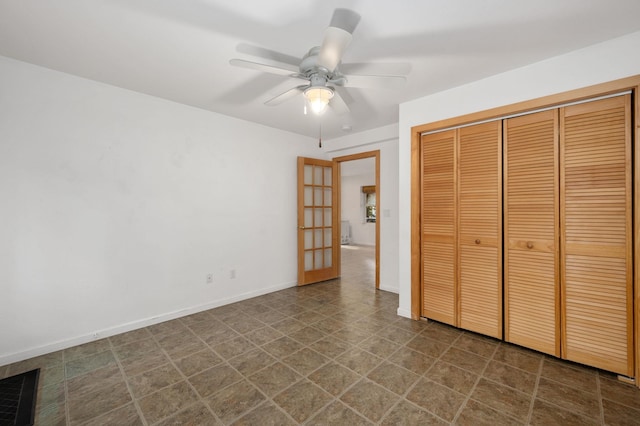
{"points": [[395, 290], [406, 313], [134, 325]]}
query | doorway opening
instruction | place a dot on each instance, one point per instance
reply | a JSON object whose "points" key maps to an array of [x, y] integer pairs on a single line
{"points": [[358, 189]]}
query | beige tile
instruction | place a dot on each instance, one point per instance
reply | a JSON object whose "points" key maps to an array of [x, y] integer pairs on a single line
{"points": [[369, 399], [477, 414], [338, 414], [86, 349], [479, 345], [130, 337], [437, 399], [89, 363], [427, 346], [288, 325], [307, 335], [51, 375], [235, 401], [396, 335], [510, 376], [359, 360], [94, 381], [135, 348], [196, 415], [452, 377], [302, 400], [465, 360], [233, 347], [95, 404], [544, 414], [618, 414], [580, 402], [305, 361], [44, 361], [52, 394], [577, 377], [503, 398], [265, 415], [518, 357], [167, 402], [167, 328], [623, 393], [407, 414], [330, 346], [263, 335], [392, 377], [334, 378], [153, 380], [212, 380], [53, 415], [352, 334], [411, 360], [197, 362], [252, 361], [441, 332], [126, 415], [138, 364], [282, 347], [379, 346], [274, 378]]}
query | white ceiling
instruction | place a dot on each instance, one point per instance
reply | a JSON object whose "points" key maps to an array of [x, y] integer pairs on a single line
{"points": [[180, 49]]}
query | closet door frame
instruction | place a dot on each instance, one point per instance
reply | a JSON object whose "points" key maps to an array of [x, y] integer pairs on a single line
{"points": [[603, 89]]}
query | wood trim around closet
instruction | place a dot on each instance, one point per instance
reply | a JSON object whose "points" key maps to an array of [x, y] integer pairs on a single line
{"points": [[603, 89]]}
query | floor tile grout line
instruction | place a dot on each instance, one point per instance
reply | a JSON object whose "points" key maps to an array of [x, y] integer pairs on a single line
{"points": [[66, 390], [126, 382], [534, 394], [600, 401], [475, 384]]}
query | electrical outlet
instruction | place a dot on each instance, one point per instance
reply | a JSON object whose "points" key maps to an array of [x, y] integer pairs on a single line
{"points": [[96, 335], [232, 274], [209, 278]]}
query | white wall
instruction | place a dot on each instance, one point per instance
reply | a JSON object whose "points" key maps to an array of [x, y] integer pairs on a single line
{"points": [[352, 207], [600, 63], [115, 205], [384, 139]]}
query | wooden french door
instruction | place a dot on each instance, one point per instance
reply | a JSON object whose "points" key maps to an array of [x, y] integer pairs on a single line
{"points": [[317, 219]]}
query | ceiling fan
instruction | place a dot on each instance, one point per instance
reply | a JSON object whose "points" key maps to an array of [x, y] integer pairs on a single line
{"points": [[321, 67]]}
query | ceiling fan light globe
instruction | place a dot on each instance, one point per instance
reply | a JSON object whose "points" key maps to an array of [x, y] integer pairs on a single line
{"points": [[318, 98]]}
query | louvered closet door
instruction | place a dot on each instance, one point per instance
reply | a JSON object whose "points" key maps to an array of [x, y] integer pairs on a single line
{"points": [[480, 227], [595, 152], [438, 227], [531, 263]]}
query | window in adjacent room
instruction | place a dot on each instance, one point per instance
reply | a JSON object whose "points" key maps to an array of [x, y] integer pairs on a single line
{"points": [[369, 203]]}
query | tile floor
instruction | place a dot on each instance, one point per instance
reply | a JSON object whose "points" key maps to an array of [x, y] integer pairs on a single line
{"points": [[330, 353]]}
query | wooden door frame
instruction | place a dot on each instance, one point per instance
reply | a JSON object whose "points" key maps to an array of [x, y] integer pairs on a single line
{"points": [[337, 179], [603, 89]]}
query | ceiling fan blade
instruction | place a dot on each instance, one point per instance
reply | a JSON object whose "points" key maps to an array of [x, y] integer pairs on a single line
{"points": [[337, 37], [269, 55], [344, 94], [376, 68], [338, 104], [282, 69], [285, 96], [393, 82]]}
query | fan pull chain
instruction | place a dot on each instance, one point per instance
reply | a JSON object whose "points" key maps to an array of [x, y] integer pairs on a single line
{"points": [[320, 136]]}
